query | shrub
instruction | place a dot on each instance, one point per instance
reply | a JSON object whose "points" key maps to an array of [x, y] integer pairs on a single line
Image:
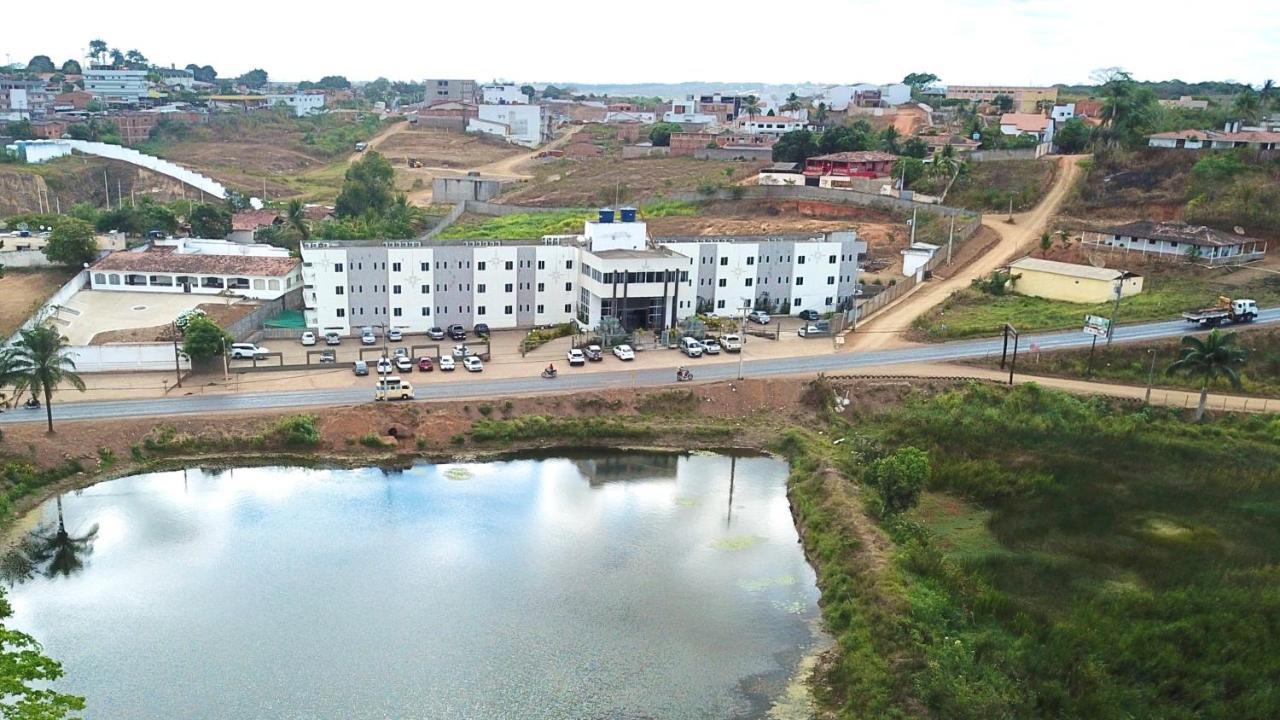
{"points": [[373, 440]]}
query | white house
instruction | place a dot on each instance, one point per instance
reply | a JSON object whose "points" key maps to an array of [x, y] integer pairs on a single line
{"points": [[1063, 112], [1040, 126], [200, 266], [120, 86], [303, 103], [503, 94], [520, 124], [1178, 241], [1212, 139], [769, 124], [630, 116], [840, 97], [686, 112]]}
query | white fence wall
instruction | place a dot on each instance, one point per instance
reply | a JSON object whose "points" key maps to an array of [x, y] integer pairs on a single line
{"points": [[137, 357], [152, 163]]}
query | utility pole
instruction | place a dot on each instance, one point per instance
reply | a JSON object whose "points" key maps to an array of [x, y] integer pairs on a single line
{"points": [[913, 226], [742, 337], [1151, 375], [1111, 327], [951, 238], [177, 364], [106, 189]]}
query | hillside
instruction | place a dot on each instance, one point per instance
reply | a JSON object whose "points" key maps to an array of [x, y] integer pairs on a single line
{"points": [[78, 178], [1220, 189]]}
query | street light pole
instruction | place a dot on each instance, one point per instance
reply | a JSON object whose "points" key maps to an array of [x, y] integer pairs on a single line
{"points": [[742, 336], [1111, 326]]}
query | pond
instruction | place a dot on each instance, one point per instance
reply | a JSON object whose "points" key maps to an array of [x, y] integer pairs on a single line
{"points": [[622, 586]]}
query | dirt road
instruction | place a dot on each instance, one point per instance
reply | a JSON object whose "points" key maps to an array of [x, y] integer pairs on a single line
{"points": [[885, 328]]}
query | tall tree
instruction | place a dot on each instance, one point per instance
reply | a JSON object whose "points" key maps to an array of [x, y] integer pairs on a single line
{"points": [[660, 133], [135, 60], [889, 139], [296, 215], [210, 221], [98, 50], [795, 146], [1216, 356], [255, 78], [369, 185], [71, 67], [41, 64], [203, 339], [1003, 102], [792, 104], [919, 81], [25, 676], [1073, 137], [751, 105], [72, 243], [42, 364], [117, 57], [1248, 105]]}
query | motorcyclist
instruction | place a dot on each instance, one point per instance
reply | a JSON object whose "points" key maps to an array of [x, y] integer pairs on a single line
{"points": [[551, 370]]}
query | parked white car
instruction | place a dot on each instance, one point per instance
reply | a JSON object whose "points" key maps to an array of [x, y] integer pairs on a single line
{"points": [[446, 363], [576, 357], [244, 351], [710, 347], [367, 337], [731, 343], [395, 335], [759, 316], [624, 352], [461, 351], [404, 363], [308, 338], [472, 363], [384, 365]]}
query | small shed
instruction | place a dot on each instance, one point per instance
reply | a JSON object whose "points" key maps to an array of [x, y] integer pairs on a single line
{"points": [[1070, 282]]}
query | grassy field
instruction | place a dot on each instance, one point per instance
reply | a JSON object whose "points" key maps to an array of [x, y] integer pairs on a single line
{"points": [[602, 181], [22, 292], [532, 225], [987, 186], [1071, 558], [1130, 363], [1167, 292]]}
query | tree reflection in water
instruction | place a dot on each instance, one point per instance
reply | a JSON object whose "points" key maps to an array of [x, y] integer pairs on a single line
{"points": [[48, 552]]}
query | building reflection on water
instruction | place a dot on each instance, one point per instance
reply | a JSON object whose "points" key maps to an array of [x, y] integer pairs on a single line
{"points": [[629, 467]]}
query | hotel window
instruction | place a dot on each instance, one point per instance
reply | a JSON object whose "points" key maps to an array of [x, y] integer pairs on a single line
{"points": [[426, 312], [479, 310], [751, 260], [480, 287], [719, 304], [395, 289], [395, 312], [480, 265], [800, 281], [568, 307], [506, 310], [395, 267], [568, 264], [749, 282], [541, 286], [724, 261], [542, 264], [568, 287], [337, 267], [828, 301], [831, 279], [507, 287], [800, 260], [510, 265], [831, 259], [426, 289], [539, 309], [339, 290], [723, 282], [422, 267]]}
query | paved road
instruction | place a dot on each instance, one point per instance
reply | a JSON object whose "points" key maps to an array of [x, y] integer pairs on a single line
{"points": [[471, 386]]}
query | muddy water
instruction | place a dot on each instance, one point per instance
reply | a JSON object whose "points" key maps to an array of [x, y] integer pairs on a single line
{"points": [[602, 586]]}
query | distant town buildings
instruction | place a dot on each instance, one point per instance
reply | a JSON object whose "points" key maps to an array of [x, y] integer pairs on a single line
{"points": [[526, 125], [1026, 99], [303, 103], [438, 90], [1039, 126], [503, 94], [116, 86], [864, 95]]}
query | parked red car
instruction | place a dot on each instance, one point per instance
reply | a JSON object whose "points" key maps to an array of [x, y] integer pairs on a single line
{"points": [[424, 364]]}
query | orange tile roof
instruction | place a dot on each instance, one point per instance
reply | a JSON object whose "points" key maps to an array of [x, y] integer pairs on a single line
{"points": [[167, 261]]}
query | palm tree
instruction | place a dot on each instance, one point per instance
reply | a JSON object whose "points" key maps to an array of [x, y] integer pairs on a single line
{"points": [[820, 114], [792, 104], [296, 215], [751, 105], [42, 364], [890, 139], [48, 552], [1248, 104], [1266, 93], [1216, 356], [8, 373]]}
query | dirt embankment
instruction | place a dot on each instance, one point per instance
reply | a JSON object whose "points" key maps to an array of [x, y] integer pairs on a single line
{"points": [[79, 178]]}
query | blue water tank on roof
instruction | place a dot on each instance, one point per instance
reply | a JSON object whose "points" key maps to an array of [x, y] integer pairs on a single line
{"points": [[628, 214], [606, 215]]}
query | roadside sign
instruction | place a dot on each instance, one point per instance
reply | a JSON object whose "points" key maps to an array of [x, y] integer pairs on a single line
{"points": [[1096, 325]]}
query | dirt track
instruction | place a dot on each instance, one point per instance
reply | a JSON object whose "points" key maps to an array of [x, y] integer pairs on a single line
{"points": [[885, 328]]}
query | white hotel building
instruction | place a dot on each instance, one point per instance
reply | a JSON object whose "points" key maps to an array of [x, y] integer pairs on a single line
{"points": [[612, 269]]}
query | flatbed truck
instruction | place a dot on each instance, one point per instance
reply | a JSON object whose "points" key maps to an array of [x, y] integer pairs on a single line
{"points": [[1226, 312]]}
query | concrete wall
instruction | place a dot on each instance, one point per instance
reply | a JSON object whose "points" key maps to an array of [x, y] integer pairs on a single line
{"points": [[1034, 153], [458, 189], [1053, 286], [126, 357], [762, 154], [632, 152], [24, 259], [64, 294]]}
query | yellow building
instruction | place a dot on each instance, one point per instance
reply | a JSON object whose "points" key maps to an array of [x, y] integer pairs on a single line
{"points": [[1025, 99], [1055, 280]]}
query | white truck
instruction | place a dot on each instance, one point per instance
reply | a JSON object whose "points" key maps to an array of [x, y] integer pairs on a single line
{"points": [[1227, 311]]}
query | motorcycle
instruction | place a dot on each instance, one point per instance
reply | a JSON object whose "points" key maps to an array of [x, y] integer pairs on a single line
{"points": [[683, 376], [549, 374], [31, 404]]}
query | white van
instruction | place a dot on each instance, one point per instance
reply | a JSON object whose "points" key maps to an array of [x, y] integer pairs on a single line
{"points": [[691, 346], [392, 388], [244, 351]]}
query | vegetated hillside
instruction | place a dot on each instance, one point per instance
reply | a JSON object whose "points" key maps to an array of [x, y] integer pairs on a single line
{"points": [[271, 149], [79, 178], [1072, 558], [988, 186], [1222, 189], [603, 181]]}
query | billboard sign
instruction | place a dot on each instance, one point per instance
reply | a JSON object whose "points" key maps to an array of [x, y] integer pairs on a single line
{"points": [[1096, 325]]}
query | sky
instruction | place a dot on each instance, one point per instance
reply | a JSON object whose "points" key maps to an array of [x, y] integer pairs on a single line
{"points": [[584, 41]]}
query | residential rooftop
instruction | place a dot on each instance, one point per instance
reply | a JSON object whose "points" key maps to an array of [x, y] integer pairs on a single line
{"points": [[164, 259], [857, 156], [1085, 272], [1178, 232]]}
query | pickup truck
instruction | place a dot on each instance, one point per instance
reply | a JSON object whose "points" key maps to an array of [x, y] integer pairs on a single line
{"points": [[1226, 311]]}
